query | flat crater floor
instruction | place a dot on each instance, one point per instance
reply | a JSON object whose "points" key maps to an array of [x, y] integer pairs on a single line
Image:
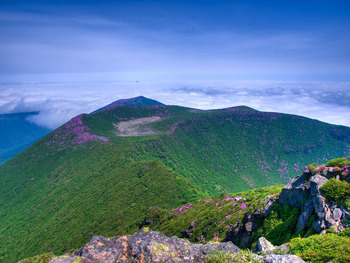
{"points": [[137, 127]]}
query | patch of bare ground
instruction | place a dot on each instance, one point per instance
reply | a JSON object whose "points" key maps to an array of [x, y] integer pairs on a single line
{"points": [[137, 127]]}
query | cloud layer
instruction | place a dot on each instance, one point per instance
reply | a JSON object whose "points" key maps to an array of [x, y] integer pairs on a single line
{"points": [[59, 102]]}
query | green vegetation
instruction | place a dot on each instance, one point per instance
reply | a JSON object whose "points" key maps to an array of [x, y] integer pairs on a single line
{"points": [[340, 162], [44, 258], [243, 256], [336, 190], [215, 217], [83, 180], [282, 219], [322, 248]]}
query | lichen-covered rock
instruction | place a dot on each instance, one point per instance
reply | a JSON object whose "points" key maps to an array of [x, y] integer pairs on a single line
{"points": [[282, 259], [143, 246], [71, 259]]}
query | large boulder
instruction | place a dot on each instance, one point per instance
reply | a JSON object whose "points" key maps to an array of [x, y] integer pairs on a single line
{"points": [[316, 183], [296, 191], [143, 246], [305, 214], [264, 246]]}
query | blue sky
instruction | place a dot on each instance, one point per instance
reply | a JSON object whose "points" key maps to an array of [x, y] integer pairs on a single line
{"points": [[167, 40], [63, 58]]}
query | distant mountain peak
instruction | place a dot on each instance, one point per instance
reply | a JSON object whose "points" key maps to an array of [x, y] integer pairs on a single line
{"points": [[136, 101], [240, 108]]}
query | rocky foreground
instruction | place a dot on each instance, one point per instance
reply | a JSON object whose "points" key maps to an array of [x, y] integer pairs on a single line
{"points": [[149, 246]]}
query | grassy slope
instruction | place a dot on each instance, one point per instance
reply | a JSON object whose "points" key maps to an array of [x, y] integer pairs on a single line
{"points": [[86, 194], [57, 194], [213, 216]]}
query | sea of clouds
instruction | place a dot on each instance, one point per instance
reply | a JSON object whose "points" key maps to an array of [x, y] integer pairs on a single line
{"points": [[58, 102]]}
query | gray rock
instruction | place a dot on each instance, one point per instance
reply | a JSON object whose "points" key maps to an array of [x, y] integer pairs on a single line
{"points": [[316, 182], [71, 259], [319, 206], [295, 191], [282, 259], [306, 170], [267, 208], [345, 213], [144, 246], [337, 213], [305, 214], [263, 245], [319, 225]]}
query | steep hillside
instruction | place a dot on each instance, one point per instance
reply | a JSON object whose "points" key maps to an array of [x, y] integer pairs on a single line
{"points": [[315, 202], [16, 133], [100, 172]]}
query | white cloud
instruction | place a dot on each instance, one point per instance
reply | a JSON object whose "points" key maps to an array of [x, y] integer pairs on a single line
{"points": [[59, 102]]}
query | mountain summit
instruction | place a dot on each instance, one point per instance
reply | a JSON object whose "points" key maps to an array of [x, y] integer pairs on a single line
{"points": [[136, 101]]}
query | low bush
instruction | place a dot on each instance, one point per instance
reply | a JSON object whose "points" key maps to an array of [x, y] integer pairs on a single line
{"points": [[340, 162], [336, 190], [322, 248]]}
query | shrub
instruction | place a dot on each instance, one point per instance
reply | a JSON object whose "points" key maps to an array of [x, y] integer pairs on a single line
{"points": [[284, 221], [322, 248], [340, 162], [336, 190]]}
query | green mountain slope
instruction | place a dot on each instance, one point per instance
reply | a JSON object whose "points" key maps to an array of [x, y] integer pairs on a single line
{"points": [[89, 177]]}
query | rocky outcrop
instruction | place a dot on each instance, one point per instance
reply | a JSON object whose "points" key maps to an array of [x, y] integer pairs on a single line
{"points": [[297, 190], [149, 246], [187, 233], [241, 233], [304, 191], [144, 246], [265, 246]]}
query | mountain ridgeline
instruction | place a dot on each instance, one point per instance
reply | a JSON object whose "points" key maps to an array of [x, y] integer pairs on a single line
{"points": [[100, 172]]}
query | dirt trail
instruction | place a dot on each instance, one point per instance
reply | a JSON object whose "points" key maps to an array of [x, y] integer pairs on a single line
{"points": [[137, 127]]}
